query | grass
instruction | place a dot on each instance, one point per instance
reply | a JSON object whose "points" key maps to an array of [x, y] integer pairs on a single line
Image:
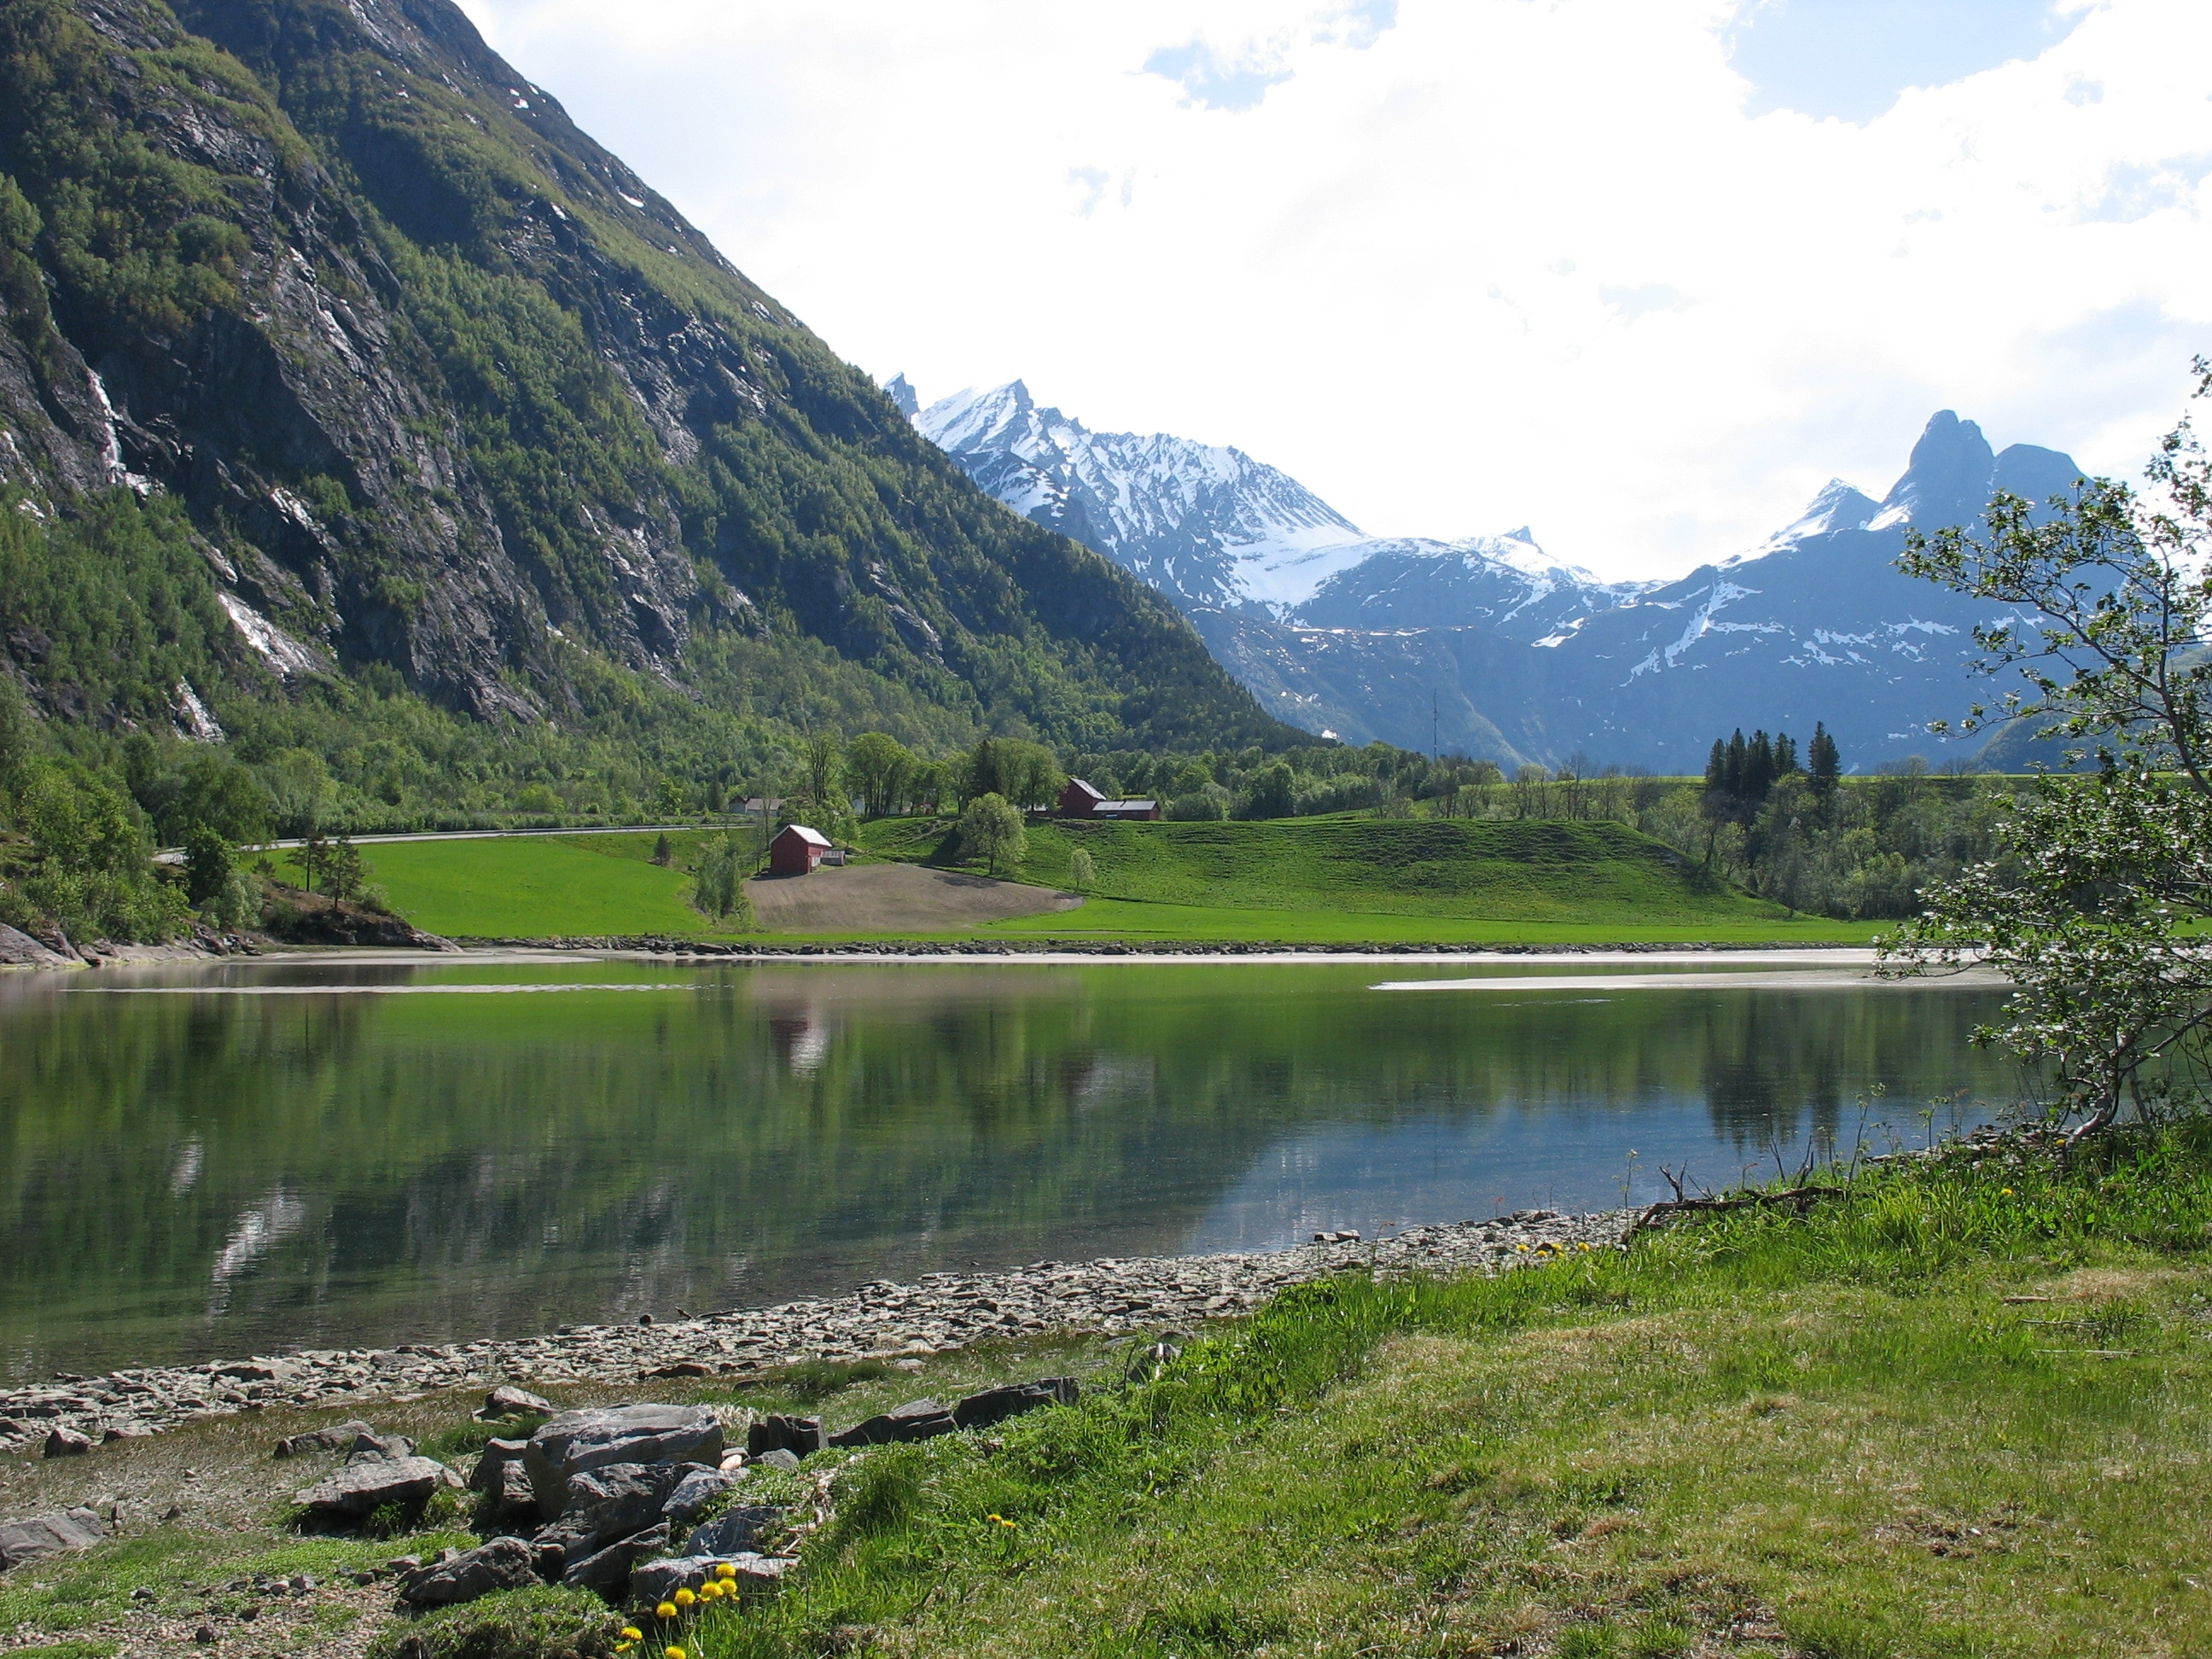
{"points": [[533, 886], [1961, 1412], [1343, 880]]}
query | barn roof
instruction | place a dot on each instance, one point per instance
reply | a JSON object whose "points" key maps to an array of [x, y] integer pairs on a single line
{"points": [[1125, 806], [815, 837]]}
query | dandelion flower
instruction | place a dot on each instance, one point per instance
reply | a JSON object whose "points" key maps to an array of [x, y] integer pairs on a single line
{"points": [[665, 1610], [672, 1653], [711, 1591], [725, 1571], [632, 1633], [2004, 1192], [684, 1598]]}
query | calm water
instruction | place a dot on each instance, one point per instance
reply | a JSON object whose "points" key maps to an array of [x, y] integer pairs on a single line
{"points": [[287, 1156]]}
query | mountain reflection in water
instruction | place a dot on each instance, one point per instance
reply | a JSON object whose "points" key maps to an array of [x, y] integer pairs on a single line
{"points": [[188, 1176]]}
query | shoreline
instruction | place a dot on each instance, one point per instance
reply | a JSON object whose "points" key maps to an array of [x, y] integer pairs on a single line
{"points": [[882, 1320]]}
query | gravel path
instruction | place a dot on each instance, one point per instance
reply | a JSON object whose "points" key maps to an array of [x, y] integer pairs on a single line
{"points": [[880, 1320]]}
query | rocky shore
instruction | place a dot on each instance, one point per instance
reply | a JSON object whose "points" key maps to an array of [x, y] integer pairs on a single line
{"points": [[881, 1320]]}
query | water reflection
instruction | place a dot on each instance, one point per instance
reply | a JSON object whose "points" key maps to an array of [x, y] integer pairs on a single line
{"points": [[183, 1176]]}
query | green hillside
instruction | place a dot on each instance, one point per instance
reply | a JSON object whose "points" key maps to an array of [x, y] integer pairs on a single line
{"points": [[432, 454], [1490, 869]]}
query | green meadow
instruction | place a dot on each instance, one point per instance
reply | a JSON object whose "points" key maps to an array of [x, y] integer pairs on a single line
{"points": [[1342, 880]]}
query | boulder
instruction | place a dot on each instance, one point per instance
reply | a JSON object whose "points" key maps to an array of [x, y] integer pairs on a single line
{"points": [[337, 1436], [691, 1495], [575, 1442], [19, 949], [507, 1400], [607, 1571], [979, 1411], [370, 1484], [799, 1436], [917, 1420], [61, 1441], [503, 1564], [778, 1459], [654, 1581], [497, 1454], [48, 1535], [605, 1505], [739, 1530], [369, 1443]]}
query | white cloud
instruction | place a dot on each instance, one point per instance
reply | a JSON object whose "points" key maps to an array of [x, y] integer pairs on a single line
{"points": [[1454, 263]]}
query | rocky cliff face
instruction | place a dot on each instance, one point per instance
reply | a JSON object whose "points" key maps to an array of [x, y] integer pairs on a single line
{"points": [[448, 389]]}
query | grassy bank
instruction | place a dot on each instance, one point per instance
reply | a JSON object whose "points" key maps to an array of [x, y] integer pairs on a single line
{"points": [[1344, 880], [1960, 1411]]}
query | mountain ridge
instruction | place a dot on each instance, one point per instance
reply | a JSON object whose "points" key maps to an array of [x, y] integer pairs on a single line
{"points": [[446, 392]]}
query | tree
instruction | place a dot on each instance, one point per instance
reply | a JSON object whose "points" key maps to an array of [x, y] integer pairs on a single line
{"points": [[880, 768], [825, 771], [1082, 870], [719, 886], [1275, 793], [207, 864], [1825, 764], [2095, 908], [991, 830]]}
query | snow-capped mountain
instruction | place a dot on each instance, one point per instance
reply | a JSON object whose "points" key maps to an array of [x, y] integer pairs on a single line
{"points": [[1213, 529], [1491, 645]]}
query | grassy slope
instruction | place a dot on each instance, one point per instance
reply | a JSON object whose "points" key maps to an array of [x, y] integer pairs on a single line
{"points": [[1342, 880], [529, 886], [1963, 1413]]}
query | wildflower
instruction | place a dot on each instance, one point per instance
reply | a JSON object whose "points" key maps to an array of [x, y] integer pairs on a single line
{"points": [[672, 1653], [2004, 1192], [684, 1598], [725, 1571], [632, 1633], [1523, 1249], [711, 1591], [665, 1610]]}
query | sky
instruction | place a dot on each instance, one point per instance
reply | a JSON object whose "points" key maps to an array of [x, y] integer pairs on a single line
{"points": [[1642, 275]]}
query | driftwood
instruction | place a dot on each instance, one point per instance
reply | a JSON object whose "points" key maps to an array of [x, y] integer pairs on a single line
{"points": [[1800, 1198]]}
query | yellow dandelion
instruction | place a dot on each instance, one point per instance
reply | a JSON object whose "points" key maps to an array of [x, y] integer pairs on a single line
{"points": [[632, 1633], [665, 1610], [2004, 1192], [711, 1591], [684, 1598], [672, 1653], [1523, 1249], [725, 1571]]}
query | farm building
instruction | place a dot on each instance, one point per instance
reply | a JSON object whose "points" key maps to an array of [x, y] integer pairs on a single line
{"points": [[1082, 800], [796, 850]]}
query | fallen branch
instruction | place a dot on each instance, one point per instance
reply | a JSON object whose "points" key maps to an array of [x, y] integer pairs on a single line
{"points": [[1800, 1199]]}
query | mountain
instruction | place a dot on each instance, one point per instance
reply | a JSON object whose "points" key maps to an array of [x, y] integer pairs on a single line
{"points": [[1490, 645], [421, 393]]}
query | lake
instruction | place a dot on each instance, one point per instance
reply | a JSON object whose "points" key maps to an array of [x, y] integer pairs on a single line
{"points": [[242, 1158]]}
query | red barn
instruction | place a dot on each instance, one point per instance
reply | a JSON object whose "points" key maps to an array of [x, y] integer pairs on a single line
{"points": [[1082, 801], [796, 850]]}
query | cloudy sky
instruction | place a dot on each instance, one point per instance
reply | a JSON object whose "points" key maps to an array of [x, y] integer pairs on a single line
{"points": [[1644, 274]]}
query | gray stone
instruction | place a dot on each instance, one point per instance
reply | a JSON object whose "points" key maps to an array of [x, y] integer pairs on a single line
{"points": [[371, 1444], [800, 1436], [359, 1488], [739, 1530], [507, 1400], [778, 1459], [654, 1581], [496, 1456], [48, 1535], [979, 1411], [61, 1441], [503, 1564], [917, 1420], [607, 1571], [19, 949], [611, 1502], [513, 1495], [337, 1436], [691, 1495], [575, 1442]]}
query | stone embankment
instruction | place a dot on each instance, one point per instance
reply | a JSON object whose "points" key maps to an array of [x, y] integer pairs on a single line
{"points": [[879, 1321]]}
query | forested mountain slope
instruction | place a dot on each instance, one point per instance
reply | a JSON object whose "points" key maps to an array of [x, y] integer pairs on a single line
{"points": [[426, 399]]}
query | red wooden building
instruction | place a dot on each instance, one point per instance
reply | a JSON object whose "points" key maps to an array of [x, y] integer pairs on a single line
{"points": [[796, 850], [1081, 800]]}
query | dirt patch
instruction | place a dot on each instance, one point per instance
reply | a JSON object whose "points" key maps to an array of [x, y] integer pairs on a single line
{"points": [[894, 898]]}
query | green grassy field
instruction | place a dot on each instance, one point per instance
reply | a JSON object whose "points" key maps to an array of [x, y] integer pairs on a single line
{"points": [[529, 886], [1343, 880]]}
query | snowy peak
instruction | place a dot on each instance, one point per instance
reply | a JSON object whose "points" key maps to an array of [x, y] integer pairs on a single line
{"points": [[1206, 524], [901, 391]]}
